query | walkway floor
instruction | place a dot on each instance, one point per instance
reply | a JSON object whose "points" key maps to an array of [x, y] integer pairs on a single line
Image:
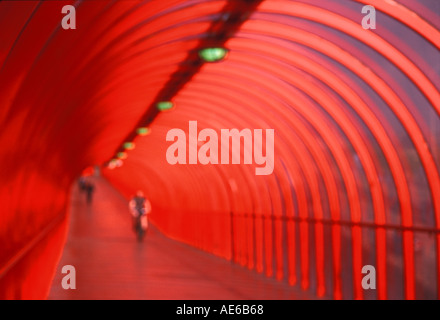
{"points": [[111, 264]]}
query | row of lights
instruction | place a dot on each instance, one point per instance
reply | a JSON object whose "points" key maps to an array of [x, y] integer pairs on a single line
{"points": [[207, 55]]}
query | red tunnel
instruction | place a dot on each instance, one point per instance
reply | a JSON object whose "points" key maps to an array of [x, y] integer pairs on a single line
{"points": [[351, 178]]}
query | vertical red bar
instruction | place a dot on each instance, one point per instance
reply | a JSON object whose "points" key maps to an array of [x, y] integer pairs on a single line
{"points": [[357, 262], [381, 262], [250, 243], [233, 238], [408, 258], [268, 234], [259, 225], [304, 252], [438, 265], [238, 239], [336, 246], [279, 248], [243, 240], [319, 247], [291, 248]]}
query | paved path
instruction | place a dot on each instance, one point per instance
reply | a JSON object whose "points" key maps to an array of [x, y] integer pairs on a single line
{"points": [[110, 264]]}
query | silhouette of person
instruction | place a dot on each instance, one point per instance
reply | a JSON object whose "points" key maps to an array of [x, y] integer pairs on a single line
{"points": [[139, 208], [89, 188], [82, 184]]}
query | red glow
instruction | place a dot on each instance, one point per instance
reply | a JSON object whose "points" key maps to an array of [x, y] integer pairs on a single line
{"points": [[356, 177]]}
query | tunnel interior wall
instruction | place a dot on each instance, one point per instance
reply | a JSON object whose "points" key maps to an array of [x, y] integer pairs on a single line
{"points": [[356, 151], [355, 116]]}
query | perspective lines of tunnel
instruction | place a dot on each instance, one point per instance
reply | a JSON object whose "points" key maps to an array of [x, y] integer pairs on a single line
{"points": [[110, 264]]}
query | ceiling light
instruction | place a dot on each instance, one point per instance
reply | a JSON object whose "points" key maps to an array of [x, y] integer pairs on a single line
{"points": [[213, 54], [143, 131], [164, 105]]}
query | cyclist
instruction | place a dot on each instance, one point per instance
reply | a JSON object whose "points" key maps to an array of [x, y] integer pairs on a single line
{"points": [[139, 208]]}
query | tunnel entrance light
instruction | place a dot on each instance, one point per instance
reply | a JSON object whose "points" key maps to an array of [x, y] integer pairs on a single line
{"points": [[213, 54], [164, 105], [143, 131], [129, 145]]}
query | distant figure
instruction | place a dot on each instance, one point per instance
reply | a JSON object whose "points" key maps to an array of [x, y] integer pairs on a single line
{"points": [[82, 184], [139, 208], [89, 188]]}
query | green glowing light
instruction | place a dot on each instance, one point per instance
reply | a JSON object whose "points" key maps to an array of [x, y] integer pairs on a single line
{"points": [[129, 145], [121, 155], [213, 54], [164, 105], [143, 131]]}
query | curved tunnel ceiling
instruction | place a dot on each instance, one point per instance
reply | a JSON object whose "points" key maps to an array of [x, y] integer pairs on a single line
{"points": [[355, 112]]}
